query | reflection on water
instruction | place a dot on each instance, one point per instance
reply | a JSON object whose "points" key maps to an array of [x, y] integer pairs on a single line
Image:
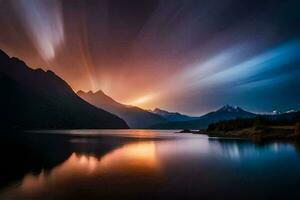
{"points": [[149, 165], [140, 155], [134, 162]]}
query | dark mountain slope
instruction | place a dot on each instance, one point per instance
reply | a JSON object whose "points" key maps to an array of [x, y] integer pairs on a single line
{"points": [[134, 116], [35, 99], [173, 116]]}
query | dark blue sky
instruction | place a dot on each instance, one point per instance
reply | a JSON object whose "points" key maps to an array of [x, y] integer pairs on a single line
{"points": [[191, 56]]}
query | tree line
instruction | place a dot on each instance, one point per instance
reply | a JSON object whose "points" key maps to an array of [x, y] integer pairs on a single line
{"points": [[257, 122]]}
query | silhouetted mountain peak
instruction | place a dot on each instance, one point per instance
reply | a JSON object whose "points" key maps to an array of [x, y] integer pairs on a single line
{"points": [[90, 92], [35, 98], [229, 108], [134, 116], [16, 68], [99, 94], [227, 112]]}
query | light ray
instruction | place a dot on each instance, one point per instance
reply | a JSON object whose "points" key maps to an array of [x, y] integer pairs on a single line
{"points": [[44, 24]]}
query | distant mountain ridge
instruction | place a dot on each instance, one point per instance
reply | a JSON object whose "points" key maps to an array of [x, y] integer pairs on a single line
{"points": [[134, 116], [38, 99], [225, 113], [283, 116], [173, 116]]}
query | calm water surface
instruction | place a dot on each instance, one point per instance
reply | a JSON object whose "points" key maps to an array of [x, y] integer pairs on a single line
{"points": [[144, 164]]}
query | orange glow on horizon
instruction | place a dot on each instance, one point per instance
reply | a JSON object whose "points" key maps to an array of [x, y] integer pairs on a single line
{"points": [[143, 101]]}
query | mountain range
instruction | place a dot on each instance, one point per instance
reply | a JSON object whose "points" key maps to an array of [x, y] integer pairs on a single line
{"points": [[173, 116], [225, 113], [38, 99], [134, 116]]}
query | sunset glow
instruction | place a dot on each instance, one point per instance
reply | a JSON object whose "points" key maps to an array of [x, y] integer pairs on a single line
{"points": [[142, 101], [150, 57], [149, 99]]}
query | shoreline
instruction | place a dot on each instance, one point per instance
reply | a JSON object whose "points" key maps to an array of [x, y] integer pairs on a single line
{"points": [[256, 134]]}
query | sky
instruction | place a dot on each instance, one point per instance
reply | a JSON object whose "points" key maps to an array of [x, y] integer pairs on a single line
{"points": [[191, 56]]}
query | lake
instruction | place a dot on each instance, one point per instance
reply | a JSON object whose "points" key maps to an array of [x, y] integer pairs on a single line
{"points": [[144, 164]]}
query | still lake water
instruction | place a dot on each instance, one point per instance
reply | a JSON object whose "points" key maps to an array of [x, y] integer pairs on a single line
{"points": [[144, 164]]}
